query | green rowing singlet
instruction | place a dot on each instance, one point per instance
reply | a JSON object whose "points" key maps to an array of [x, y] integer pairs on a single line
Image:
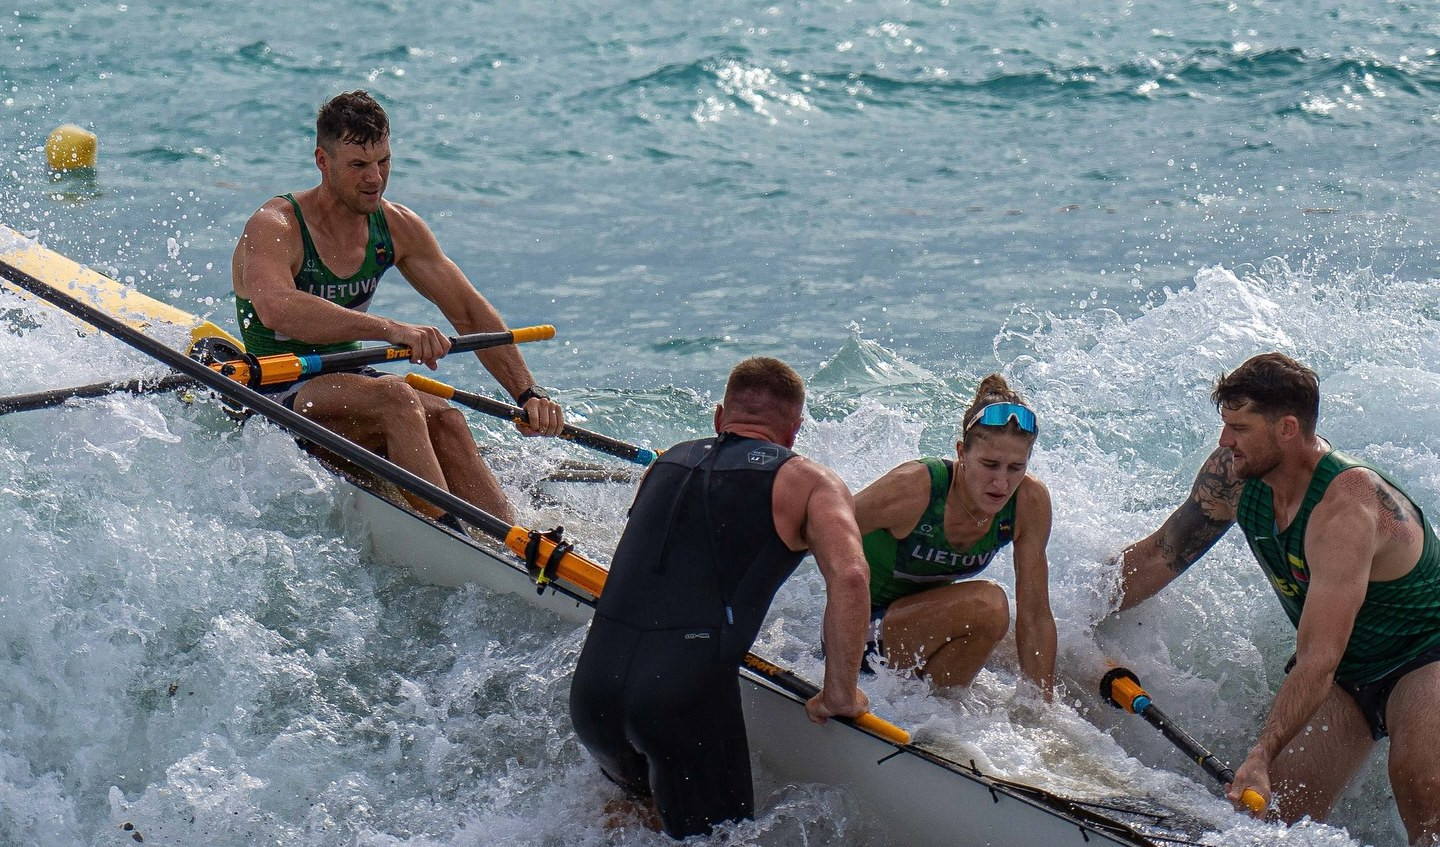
{"points": [[353, 292], [924, 558], [1398, 620]]}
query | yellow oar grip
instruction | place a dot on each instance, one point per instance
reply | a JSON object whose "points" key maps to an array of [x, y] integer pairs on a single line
{"points": [[883, 728], [429, 386], [543, 332], [1252, 800]]}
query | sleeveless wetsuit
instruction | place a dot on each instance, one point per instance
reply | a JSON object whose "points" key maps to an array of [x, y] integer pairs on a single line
{"points": [[656, 696], [353, 292], [924, 558], [1399, 620]]}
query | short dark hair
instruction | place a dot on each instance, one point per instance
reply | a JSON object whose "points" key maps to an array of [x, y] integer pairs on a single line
{"points": [[353, 118], [1276, 385], [993, 389], [761, 384]]}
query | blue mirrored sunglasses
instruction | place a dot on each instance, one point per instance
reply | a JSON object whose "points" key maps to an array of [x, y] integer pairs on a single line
{"points": [[997, 414]]}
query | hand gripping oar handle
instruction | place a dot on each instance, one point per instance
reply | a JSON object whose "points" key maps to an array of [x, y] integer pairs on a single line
{"points": [[1121, 688], [286, 368], [585, 574], [481, 403], [805, 689]]}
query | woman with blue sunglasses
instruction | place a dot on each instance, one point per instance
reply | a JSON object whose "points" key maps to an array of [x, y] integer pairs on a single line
{"points": [[931, 526]]}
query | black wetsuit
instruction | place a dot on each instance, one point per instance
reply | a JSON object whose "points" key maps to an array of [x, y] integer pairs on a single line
{"points": [[656, 697]]}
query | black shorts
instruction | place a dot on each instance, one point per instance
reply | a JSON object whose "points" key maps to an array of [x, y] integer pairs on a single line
{"points": [[1373, 697], [660, 711]]}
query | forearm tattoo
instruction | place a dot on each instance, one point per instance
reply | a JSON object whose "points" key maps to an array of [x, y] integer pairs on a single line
{"points": [[1204, 517]]}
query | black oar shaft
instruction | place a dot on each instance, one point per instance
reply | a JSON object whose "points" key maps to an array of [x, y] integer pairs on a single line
{"points": [[496, 408], [285, 368], [458, 344], [1121, 688], [55, 397], [1187, 744]]}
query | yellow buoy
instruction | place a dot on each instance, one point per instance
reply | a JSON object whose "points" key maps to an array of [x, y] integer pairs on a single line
{"points": [[70, 147]]}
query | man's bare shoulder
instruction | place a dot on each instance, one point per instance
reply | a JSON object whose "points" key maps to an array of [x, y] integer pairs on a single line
{"points": [[275, 212], [801, 478], [1364, 490]]}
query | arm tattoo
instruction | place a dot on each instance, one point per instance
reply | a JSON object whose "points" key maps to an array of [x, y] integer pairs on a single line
{"points": [[1203, 518]]}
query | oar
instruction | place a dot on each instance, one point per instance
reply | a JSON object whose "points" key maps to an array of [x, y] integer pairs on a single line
{"points": [[805, 689], [1121, 688], [481, 403], [57, 396], [283, 368], [272, 370], [568, 565]]}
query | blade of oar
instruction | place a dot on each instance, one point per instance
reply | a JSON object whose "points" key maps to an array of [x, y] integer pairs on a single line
{"points": [[57, 396], [1121, 689], [568, 565], [284, 368], [481, 403]]}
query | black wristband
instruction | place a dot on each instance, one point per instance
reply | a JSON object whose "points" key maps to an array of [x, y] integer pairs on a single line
{"points": [[531, 393]]}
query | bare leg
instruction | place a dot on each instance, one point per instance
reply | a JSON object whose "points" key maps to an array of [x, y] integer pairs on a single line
{"points": [[467, 475], [1312, 771], [386, 416], [1414, 723], [946, 633]]}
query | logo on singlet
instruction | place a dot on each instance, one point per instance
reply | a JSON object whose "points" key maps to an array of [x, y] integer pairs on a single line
{"points": [[763, 455]]}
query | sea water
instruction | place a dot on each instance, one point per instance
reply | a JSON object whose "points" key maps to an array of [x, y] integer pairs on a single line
{"points": [[1107, 202]]}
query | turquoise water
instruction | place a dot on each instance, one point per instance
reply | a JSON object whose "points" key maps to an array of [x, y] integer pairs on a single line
{"points": [[1108, 202]]}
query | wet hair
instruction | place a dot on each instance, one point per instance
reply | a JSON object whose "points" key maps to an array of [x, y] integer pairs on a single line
{"points": [[351, 118], [993, 389], [1275, 385], [761, 385]]}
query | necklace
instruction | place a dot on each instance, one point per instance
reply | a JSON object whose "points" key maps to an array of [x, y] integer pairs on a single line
{"points": [[980, 521]]}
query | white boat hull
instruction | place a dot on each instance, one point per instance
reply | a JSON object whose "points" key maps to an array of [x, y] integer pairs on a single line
{"points": [[917, 798]]}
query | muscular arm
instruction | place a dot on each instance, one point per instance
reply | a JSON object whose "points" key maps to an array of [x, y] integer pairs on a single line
{"points": [[1035, 637], [1153, 562], [1341, 543], [426, 267], [814, 509]]}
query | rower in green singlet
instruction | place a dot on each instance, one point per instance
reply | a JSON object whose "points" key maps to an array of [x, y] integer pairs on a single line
{"points": [[1357, 569], [304, 273], [932, 526], [351, 292]]}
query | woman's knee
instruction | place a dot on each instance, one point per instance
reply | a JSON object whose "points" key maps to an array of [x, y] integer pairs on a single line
{"points": [[986, 611]]}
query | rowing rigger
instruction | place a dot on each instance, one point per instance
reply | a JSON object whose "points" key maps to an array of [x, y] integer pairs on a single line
{"points": [[910, 793]]}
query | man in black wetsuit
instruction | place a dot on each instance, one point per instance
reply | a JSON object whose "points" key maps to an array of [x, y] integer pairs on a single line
{"points": [[717, 526]]}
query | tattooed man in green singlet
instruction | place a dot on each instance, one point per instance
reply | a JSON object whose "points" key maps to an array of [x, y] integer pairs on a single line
{"points": [[1356, 567], [304, 274]]}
